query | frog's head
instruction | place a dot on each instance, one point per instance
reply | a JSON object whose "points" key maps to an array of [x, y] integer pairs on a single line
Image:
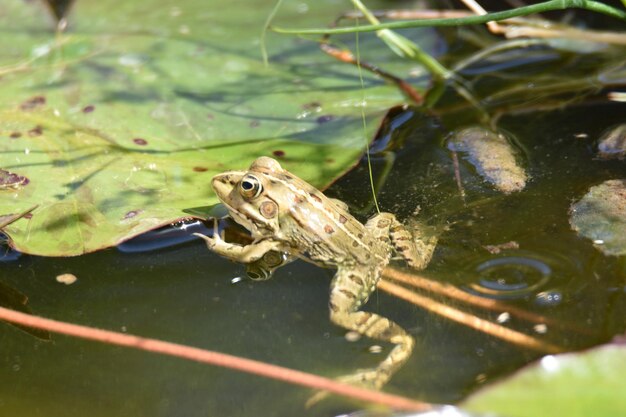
{"points": [[254, 198]]}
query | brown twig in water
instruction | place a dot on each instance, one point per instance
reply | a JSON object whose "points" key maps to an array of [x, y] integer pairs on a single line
{"points": [[348, 57], [485, 303], [469, 320], [457, 175], [214, 358]]}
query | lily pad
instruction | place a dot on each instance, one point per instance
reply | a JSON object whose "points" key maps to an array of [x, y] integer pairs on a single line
{"points": [[573, 385], [601, 216], [117, 125]]}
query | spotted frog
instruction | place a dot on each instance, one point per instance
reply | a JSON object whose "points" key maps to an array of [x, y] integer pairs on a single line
{"points": [[285, 215]]}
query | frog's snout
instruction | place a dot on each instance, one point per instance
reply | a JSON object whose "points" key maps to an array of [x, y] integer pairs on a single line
{"points": [[224, 183]]}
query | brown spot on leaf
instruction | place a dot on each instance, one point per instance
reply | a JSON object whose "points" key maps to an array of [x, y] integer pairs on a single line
{"points": [[15, 135], [35, 131], [33, 103], [10, 180], [200, 169], [131, 214], [255, 123], [325, 119], [278, 153], [210, 116], [89, 108], [314, 105], [140, 141], [329, 229]]}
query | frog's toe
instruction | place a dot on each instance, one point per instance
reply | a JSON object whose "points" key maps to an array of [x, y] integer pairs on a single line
{"points": [[366, 378]]}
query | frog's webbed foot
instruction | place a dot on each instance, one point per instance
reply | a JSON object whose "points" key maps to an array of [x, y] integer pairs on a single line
{"points": [[244, 254]]}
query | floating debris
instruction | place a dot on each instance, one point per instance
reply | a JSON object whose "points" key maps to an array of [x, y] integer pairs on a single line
{"points": [[612, 144], [492, 155], [67, 279], [601, 216], [496, 249]]}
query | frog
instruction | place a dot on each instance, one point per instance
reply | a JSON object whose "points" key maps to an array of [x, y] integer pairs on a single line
{"points": [[289, 218]]}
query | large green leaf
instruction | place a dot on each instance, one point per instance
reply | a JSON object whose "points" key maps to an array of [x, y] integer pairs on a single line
{"points": [[572, 385], [116, 126]]}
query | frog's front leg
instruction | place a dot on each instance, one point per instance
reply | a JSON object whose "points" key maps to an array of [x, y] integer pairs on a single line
{"points": [[238, 253], [348, 291]]}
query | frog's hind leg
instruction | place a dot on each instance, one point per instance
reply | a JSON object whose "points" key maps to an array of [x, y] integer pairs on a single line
{"points": [[347, 295], [414, 246]]}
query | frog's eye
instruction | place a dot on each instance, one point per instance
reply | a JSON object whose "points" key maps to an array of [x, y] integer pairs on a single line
{"points": [[250, 186]]}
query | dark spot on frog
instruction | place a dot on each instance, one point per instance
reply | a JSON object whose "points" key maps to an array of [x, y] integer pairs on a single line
{"points": [[278, 153], [298, 200], [33, 103], [131, 214], [347, 293], [324, 119], [89, 108], [355, 243], [333, 307], [255, 123], [356, 279], [140, 141], [342, 219], [200, 169], [329, 229], [288, 177], [360, 235], [35, 131], [316, 198], [382, 224], [15, 135], [368, 255]]}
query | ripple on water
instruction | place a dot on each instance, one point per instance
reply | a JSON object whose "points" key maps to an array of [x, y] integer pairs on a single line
{"points": [[527, 274]]}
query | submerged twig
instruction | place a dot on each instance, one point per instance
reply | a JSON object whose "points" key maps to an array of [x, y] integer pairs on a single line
{"points": [[470, 320], [214, 358]]}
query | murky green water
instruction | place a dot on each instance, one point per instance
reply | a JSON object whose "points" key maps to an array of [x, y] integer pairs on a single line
{"points": [[185, 294]]}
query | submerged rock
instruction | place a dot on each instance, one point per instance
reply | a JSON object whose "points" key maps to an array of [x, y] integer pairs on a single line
{"points": [[612, 144], [601, 216], [492, 155]]}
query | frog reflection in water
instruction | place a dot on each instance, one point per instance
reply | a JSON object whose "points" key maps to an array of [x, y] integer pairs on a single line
{"points": [[285, 215]]}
